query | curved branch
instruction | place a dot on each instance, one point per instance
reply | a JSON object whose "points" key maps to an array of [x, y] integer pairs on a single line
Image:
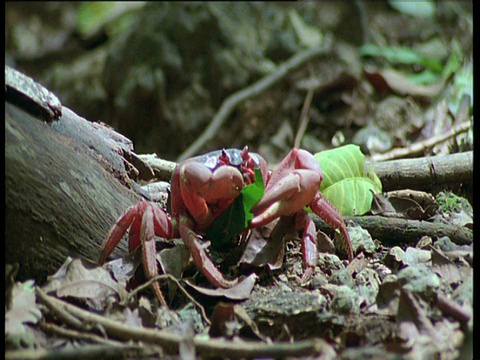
{"points": [[251, 91]]}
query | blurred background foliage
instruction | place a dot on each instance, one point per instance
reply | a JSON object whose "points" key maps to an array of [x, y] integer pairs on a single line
{"points": [[158, 72]]}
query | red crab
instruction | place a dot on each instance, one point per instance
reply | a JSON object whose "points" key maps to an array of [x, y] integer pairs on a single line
{"points": [[204, 186]]}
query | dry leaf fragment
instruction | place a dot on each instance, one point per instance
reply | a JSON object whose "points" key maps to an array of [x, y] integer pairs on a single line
{"points": [[388, 80], [23, 309], [240, 291], [94, 285]]}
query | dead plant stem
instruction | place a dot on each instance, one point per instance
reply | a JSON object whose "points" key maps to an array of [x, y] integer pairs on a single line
{"points": [[422, 146], [182, 289], [303, 119]]}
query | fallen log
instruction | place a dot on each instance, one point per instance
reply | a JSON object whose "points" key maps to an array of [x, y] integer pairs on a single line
{"points": [[66, 182]]}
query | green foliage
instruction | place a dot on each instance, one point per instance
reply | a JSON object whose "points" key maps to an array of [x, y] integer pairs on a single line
{"points": [[115, 16], [347, 182], [451, 203], [461, 85], [235, 219], [252, 194], [435, 68], [401, 55], [425, 8]]}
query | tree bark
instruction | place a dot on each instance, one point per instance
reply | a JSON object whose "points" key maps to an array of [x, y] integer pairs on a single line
{"points": [[66, 184]]}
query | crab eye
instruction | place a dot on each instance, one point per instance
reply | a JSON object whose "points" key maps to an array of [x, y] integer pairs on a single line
{"points": [[244, 154], [224, 158]]}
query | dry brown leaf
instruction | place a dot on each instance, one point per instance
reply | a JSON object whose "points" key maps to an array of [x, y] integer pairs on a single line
{"points": [[389, 80], [93, 285], [240, 291]]}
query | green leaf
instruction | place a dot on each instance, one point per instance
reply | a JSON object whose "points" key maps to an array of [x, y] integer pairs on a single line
{"points": [[424, 9], [236, 217], [347, 182], [252, 194], [226, 226], [401, 55], [114, 16]]}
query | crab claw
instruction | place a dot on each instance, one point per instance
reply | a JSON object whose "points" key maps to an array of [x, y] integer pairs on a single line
{"points": [[291, 186], [286, 197], [199, 187]]}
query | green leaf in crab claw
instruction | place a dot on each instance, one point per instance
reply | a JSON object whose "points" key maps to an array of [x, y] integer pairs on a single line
{"points": [[347, 182], [252, 194], [236, 217]]}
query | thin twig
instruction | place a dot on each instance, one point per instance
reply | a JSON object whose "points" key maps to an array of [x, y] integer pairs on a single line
{"points": [[77, 335], [422, 146], [66, 317], [363, 17], [205, 347], [251, 91], [303, 119], [182, 289]]}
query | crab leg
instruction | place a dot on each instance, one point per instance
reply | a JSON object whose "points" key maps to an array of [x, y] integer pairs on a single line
{"points": [[200, 257], [149, 252], [309, 238], [145, 220], [329, 213], [116, 233], [164, 226]]}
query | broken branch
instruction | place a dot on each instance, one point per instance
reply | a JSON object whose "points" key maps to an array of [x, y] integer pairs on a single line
{"points": [[426, 173], [422, 146]]}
